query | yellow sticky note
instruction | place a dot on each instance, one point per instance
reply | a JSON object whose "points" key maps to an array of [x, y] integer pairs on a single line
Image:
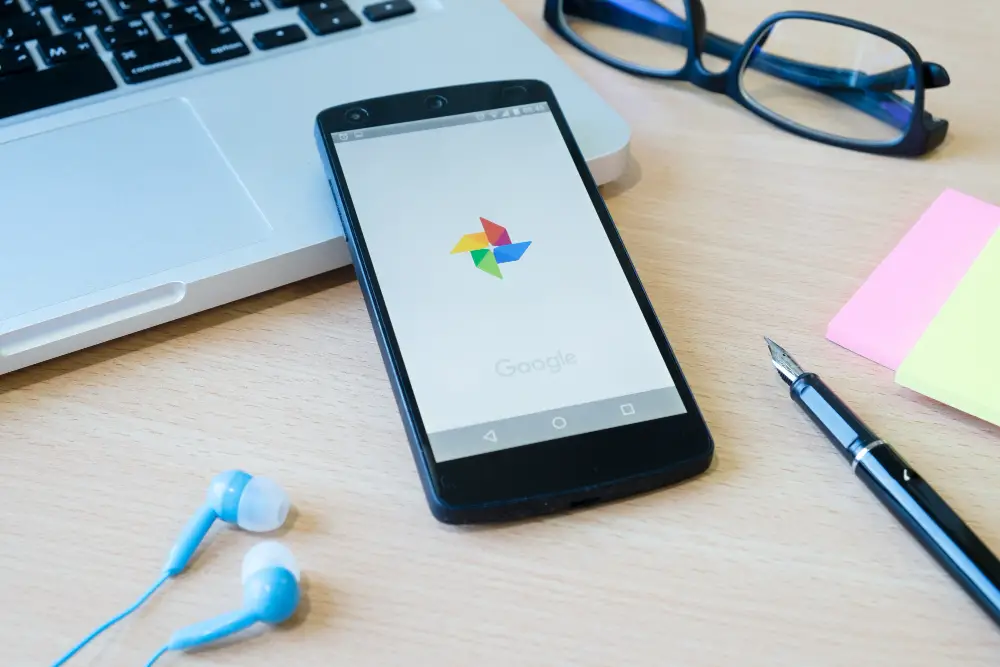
{"points": [[957, 360]]}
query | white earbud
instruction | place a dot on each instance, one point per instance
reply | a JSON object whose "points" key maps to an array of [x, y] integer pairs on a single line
{"points": [[256, 504], [270, 595], [263, 506], [267, 555]]}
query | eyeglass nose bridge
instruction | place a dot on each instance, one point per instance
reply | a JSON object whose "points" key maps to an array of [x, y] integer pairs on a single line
{"points": [[697, 73], [700, 75]]}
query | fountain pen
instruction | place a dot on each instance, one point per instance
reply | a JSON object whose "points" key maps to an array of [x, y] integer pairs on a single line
{"points": [[900, 488]]}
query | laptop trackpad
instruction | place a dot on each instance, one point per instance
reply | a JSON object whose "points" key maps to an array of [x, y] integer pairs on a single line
{"points": [[107, 201]]}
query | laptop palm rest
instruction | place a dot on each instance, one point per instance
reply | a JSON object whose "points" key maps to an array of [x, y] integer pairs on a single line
{"points": [[100, 204]]}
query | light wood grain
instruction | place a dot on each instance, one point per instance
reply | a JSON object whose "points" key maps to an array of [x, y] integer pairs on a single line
{"points": [[776, 557]]}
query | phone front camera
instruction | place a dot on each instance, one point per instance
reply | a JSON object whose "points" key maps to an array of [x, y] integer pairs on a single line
{"points": [[356, 115], [514, 94], [436, 102]]}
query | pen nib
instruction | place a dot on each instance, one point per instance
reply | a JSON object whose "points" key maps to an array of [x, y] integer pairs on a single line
{"points": [[783, 362]]}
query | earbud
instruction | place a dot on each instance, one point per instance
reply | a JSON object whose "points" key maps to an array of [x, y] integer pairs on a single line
{"points": [[256, 504], [270, 575], [270, 595]]}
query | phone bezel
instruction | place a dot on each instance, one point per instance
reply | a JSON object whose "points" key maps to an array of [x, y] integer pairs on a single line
{"points": [[544, 476]]}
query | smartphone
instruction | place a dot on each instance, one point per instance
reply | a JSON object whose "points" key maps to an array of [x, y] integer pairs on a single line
{"points": [[529, 367]]}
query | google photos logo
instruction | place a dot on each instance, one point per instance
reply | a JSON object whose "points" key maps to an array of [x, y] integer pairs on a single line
{"points": [[490, 248]]}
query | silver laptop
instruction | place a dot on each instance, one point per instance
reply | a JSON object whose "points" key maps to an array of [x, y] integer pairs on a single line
{"points": [[157, 156]]}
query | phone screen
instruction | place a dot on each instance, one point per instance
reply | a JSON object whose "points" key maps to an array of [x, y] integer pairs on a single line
{"points": [[514, 319]]}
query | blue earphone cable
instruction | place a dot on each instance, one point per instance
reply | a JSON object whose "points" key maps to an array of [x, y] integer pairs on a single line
{"points": [[89, 638], [157, 656]]}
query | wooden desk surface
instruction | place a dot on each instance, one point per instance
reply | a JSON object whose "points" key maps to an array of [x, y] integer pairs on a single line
{"points": [[738, 230]]}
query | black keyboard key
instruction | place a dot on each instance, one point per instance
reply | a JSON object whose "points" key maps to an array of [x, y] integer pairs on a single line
{"points": [[120, 34], [283, 36], [216, 45], [23, 28], [73, 15], [323, 6], [144, 62], [285, 4], [235, 10], [59, 49], [71, 81], [388, 10], [322, 21], [15, 59], [181, 20], [9, 9], [127, 8]]}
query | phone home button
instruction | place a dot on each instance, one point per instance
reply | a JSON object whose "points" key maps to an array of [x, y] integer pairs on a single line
{"points": [[558, 423]]}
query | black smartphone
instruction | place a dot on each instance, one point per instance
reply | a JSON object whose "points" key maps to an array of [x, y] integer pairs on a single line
{"points": [[530, 369]]}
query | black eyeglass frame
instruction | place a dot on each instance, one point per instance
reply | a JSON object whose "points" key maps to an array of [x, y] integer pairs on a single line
{"points": [[923, 133]]}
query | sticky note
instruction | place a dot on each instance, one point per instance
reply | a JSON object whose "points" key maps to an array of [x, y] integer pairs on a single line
{"points": [[957, 360], [893, 308]]}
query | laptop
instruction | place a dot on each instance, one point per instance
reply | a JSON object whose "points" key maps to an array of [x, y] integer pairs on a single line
{"points": [[157, 156]]}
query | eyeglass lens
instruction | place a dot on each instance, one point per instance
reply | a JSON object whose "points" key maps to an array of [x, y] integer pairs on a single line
{"points": [[832, 79], [654, 38]]}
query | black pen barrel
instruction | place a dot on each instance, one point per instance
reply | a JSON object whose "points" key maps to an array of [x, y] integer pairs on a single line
{"points": [[935, 525], [844, 428], [905, 493]]}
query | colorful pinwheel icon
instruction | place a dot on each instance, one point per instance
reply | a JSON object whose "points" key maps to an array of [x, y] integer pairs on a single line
{"points": [[490, 248]]}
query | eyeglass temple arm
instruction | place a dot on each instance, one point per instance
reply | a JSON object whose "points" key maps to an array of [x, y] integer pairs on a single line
{"points": [[818, 76], [904, 78]]}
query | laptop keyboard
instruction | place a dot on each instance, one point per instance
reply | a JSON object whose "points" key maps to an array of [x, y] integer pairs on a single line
{"points": [[58, 51]]}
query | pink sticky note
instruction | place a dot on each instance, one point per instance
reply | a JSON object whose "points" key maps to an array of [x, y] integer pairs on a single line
{"points": [[886, 317]]}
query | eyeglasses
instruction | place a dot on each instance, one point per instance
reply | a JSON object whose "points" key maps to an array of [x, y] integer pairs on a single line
{"points": [[826, 78]]}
